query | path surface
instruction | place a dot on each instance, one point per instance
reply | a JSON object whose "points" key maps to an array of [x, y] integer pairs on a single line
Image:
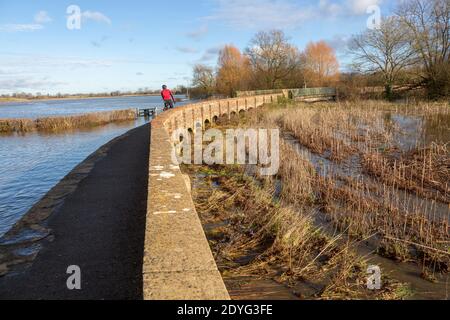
{"points": [[100, 227]]}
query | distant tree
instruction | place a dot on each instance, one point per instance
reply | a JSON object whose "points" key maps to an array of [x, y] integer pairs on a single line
{"points": [[233, 71], [428, 25], [385, 50], [204, 80], [321, 64], [272, 59], [181, 89]]}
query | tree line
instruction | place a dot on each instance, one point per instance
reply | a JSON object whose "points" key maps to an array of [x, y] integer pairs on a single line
{"points": [[179, 90], [410, 48], [269, 62]]}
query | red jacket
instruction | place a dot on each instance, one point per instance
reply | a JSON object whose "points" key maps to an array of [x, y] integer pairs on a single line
{"points": [[167, 94]]}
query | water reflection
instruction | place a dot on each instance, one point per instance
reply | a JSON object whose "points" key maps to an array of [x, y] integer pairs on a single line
{"points": [[70, 107], [30, 165]]}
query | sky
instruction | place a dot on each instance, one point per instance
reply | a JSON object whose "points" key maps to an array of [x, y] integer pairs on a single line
{"points": [[127, 45]]}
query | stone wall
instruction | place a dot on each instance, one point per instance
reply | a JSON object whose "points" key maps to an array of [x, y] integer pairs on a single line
{"points": [[178, 263]]}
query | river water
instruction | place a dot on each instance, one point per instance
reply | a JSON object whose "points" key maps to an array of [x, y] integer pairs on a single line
{"points": [[31, 164], [51, 108]]}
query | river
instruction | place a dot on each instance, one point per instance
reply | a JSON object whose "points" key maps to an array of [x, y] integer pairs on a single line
{"points": [[31, 164]]}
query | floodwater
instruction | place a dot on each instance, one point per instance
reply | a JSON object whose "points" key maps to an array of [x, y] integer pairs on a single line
{"points": [[50, 108], [31, 164], [413, 131]]}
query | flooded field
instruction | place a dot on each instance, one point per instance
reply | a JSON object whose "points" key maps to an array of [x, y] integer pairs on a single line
{"points": [[55, 108], [32, 163], [359, 184]]}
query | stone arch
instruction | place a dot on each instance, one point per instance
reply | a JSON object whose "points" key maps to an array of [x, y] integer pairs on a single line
{"points": [[207, 124], [198, 126], [214, 119], [234, 117]]}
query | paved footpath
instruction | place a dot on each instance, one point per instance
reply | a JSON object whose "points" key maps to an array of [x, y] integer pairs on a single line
{"points": [[100, 227]]}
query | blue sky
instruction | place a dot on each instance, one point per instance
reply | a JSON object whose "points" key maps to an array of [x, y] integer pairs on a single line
{"points": [[126, 45]]}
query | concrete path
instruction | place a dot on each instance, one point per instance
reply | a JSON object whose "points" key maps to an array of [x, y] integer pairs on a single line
{"points": [[100, 227], [178, 263]]}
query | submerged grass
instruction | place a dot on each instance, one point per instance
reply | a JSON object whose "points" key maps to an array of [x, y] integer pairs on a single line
{"points": [[351, 176], [373, 185], [54, 124], [258, 236]]}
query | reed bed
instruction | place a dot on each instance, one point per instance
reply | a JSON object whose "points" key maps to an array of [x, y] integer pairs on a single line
{"points": [[267, 239], [54, 124], [381, 194], [423, 171], [345, 182]]}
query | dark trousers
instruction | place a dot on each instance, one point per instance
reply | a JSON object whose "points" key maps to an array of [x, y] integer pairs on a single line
{"points": [[168, 103]]}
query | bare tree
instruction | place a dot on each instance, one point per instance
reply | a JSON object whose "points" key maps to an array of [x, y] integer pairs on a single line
{"points": [[321, 64], [428, 24], [233, 71], [272, 58], [204, 79], [385, 50]]}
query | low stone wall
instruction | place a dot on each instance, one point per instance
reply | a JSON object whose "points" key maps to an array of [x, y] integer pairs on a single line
{"points": [[178, 263]]}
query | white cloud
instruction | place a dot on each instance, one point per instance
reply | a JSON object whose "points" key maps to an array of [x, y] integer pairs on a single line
{"points": [[359, 7], [284, 14], [261, 13], [211, 53], [186, 50], [34, 62], [42, 17], [27, 84], [215, 50], [96, 16], [199, 33], [330, 8], [20, 27], [99, 43], [339, 42]]}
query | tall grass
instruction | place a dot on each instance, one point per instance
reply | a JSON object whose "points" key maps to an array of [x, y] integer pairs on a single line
{"points": [[381, 189], [262, 238], [55, 124]]}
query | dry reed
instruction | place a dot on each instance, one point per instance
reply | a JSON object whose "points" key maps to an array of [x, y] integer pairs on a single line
{"points": [[274, 239], [361, 138], [53, 124]]}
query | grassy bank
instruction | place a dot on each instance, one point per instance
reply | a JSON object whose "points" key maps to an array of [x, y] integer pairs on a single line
{"points": [[9, 100], [54, 124]]}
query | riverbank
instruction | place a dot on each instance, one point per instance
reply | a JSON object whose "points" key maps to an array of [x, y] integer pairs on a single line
{"points": [[95, 219], [12, 100], [52, 124]]}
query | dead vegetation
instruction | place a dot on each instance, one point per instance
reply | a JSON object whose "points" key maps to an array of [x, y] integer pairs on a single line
{"points": [[253, 235], [345, 181], [425, 172], [55, 124], [373, 187]]}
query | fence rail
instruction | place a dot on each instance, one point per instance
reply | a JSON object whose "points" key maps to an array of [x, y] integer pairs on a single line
{"points": [[292, 93], [240, 94], [327, 91]]}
